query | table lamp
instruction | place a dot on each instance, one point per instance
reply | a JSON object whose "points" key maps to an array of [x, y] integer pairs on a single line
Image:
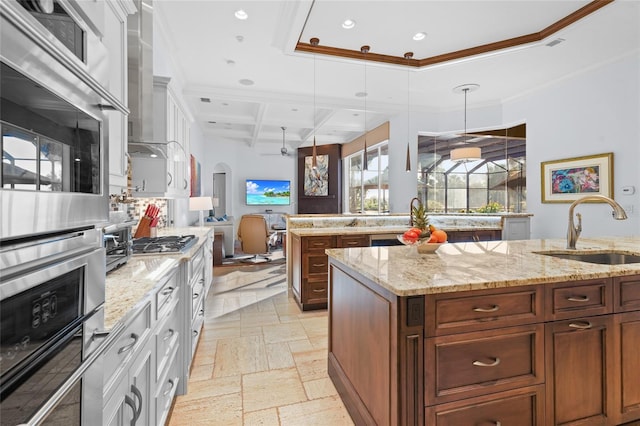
{"points": [[200, 204]]}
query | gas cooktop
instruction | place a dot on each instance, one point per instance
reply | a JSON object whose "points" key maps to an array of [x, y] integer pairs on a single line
{"points": [[169, 244]]}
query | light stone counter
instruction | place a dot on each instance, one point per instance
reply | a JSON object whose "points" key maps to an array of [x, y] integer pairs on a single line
{"points": [[126, 286], [481, 265]]}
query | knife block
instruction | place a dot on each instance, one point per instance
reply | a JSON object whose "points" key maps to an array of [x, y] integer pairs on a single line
{"points": [[143, 229]]}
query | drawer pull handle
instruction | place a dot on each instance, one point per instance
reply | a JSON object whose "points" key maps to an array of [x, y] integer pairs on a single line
{"points": [[201, 313], [497, 423], [578, 298], [495, 362], [195, 333], [317, 265], [127, 348], [318, 290], [318, 244], [494, 308], [167, 291], [171, 385], [195, 295], [352, 243], [168, 334], [581, 326]]}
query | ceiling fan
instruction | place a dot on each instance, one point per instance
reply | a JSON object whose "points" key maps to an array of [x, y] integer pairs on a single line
{"points": [[283, 151]]}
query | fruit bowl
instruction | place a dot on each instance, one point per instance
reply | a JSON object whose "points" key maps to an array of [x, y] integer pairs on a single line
{"points": [[429, 247]]}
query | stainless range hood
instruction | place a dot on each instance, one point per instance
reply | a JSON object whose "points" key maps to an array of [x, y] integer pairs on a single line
{"points": [[141, 141]]}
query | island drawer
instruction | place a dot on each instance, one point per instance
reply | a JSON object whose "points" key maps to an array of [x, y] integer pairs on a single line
{"points": [[522, 407], [318, 243], [315, 291], [479, 310], [572, 300], [472, 364], [315, 264], [626, 294], [346, 241], [167, 292]]}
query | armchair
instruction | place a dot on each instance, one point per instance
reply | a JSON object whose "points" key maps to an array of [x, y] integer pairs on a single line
{"points": [[255, 238]]}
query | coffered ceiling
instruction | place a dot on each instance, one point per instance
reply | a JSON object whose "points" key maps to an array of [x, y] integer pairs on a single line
{"points": [[245, 79]]}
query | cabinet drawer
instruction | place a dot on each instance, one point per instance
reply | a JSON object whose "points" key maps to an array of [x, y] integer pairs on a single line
{"points": [[462, 312], [314, 291], [626, 293], [318, 243], [166, 294], [167, 339], [344, 241], [197, 294], [568, 300], [196, 327], [167, 387], [522, 407], [472, 364], [130, 340], [315, 264]]}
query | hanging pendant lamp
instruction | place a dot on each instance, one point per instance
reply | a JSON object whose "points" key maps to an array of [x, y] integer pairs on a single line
{"points": [[466, 153], [314, 152], [365, 160], [408, 57]]}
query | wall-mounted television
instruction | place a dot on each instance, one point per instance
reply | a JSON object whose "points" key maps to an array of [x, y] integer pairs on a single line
{"points": [[262, 192]]}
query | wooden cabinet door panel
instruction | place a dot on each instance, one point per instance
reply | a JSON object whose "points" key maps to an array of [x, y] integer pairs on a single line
{"points": [[318, 243], [579, 361], [626, 293], [314, 291], [521, 407], [344, 241], [471, 364], [628, 383]]}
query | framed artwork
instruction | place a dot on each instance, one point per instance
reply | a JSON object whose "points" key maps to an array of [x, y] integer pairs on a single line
{"points": [[196, 190], [316, 181], [564, 181]]}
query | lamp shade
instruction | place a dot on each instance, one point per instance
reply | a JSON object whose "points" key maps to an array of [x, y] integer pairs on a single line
{"points": [[200, 203], [467, 153]]}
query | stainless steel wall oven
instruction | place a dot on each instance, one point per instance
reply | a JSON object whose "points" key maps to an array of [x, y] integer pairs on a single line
{"points": [[51, 305]]}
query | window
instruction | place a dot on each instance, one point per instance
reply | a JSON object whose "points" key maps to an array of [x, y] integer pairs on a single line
{"points": [[496, 183], [368, 190]]}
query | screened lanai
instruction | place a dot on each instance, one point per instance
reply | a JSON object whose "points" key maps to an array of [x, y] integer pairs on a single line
{"points": [[494, 183]]}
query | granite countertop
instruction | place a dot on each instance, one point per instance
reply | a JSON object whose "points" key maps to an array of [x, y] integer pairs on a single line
{"points": [[481, 265], [358, 230], [126, 286]]}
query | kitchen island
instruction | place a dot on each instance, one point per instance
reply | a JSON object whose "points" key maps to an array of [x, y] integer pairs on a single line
{"points": [[485, 333]]}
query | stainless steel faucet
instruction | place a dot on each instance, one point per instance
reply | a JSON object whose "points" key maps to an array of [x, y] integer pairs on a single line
{"points": [[574, 231]]}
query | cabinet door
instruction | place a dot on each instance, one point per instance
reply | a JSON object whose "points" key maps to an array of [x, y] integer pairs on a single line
{"points": [[141, 389], [580, 361], [628, 385]]}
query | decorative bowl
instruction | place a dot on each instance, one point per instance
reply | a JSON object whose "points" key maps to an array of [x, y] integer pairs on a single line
{"points": [[429, 247]]}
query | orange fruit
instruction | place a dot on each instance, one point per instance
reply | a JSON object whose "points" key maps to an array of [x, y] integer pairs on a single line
{"points": [[440, 235], [432, 239]]}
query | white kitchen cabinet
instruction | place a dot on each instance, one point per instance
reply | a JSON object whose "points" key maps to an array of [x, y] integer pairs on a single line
{"points": [[516, 228], [168, 176]]}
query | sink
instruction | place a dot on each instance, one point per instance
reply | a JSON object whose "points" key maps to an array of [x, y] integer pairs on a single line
{"points": [[602, 258]]}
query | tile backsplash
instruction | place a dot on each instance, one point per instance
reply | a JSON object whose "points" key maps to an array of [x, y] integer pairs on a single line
{"points": [[137, 206]]}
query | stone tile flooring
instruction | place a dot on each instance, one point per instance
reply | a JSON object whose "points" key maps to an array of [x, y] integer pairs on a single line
{"points": [[260, 360]]}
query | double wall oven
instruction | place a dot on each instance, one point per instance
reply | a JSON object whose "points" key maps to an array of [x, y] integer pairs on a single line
{"points": [[53, 206]]}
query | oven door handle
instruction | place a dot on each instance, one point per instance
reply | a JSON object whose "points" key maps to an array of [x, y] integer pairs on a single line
{"points": [[40, 416]]}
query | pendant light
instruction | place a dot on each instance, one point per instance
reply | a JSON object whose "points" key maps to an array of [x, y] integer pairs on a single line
{"points": [[314, 153], [365, 160], [408, 57], [466, 153]]}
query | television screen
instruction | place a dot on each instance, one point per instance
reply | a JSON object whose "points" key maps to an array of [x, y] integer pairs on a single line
{"points": [[262, 192]]}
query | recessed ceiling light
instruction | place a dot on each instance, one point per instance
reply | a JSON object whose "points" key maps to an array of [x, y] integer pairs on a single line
{"points": [[211, 122], [231, 62], [555, 42], [241, 14], [240, 38], [153, 155], [355, 114], [348, 24], [246, 82], [225, 104], [205, 100], [419, 36], [361, 94], [294, 109]]}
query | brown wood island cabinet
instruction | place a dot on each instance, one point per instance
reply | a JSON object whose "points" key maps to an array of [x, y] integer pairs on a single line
{"points": [[310, 265], [560, 353]]}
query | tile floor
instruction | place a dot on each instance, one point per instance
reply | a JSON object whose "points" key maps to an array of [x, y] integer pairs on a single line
{"points": [[260, 360]]}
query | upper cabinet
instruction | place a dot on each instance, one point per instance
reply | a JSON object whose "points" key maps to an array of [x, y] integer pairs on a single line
{"points": [[166, 174]]}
